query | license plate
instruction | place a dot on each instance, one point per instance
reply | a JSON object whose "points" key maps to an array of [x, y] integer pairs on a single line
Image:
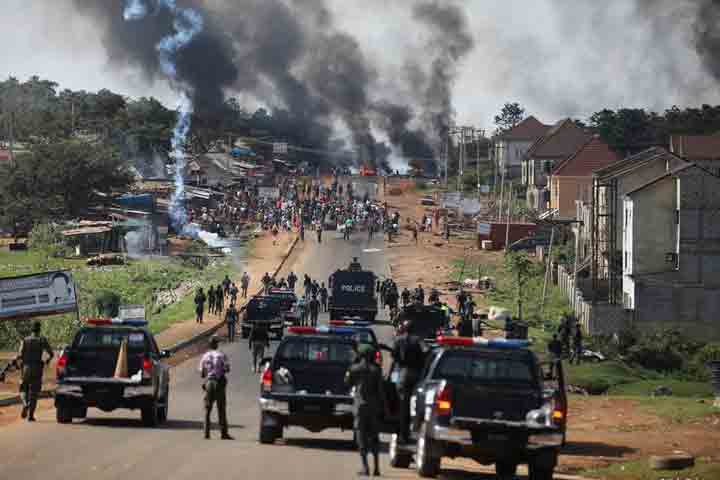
{"points": [[312, 408], [495, 437]]}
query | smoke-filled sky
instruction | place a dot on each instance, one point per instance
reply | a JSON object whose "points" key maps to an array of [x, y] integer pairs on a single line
{"points": [[555, 57]]}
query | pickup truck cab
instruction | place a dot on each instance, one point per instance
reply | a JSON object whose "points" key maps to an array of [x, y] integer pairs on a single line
{"points": [[86, 373], [485, 400], [273, 309], [304, 383]]}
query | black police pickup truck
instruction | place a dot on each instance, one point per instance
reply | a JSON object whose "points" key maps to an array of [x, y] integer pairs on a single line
{"points": [[485, 400], [304, 383], [86, 373], [276, 309]]}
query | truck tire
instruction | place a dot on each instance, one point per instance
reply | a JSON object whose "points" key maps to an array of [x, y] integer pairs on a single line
{"points": [[268, 435], [398, 458], [63, 414], [428, 466], [540, 473], [505, 470], [150, 415], [163, 411]]}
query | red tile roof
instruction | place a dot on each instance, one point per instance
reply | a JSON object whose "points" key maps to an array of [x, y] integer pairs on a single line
{"points": [[595, 154], [561, 141], [696, 147], [529, 129]]}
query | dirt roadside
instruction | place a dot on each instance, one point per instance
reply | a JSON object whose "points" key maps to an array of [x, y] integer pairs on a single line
{"points": [[264, 257], [602, 430]]}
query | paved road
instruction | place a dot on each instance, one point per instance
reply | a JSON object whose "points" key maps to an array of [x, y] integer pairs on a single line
{"points": [[116, 446]]}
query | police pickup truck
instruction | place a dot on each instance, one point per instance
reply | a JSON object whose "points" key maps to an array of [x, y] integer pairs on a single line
{"points": [[485, 400], [90, 372], [304, 383], [276, 308]]}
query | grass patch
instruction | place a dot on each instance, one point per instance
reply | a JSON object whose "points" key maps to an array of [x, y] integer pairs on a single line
{"points": [[598, 378], [136, 283], [640, 470], [678, 409], [680, 388]]}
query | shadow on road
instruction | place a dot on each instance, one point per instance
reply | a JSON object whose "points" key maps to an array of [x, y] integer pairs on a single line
{"points": [[596, 449], [136, 423], [454, 474], [327, 444]]}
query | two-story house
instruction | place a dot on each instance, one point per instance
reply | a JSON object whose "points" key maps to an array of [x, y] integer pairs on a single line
{"points": [[511, 146], [571, 179], [671, 254], [560, 142]]}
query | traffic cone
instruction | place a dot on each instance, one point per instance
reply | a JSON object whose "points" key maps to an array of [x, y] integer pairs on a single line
{"points": [[121, 367]]}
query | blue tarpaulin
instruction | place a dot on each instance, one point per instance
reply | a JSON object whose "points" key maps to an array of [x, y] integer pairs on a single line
{"points": [[145, 202], [242, 152]]}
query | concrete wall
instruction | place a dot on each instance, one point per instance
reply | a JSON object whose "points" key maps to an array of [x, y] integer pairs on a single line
{"points": [[654, 228]]}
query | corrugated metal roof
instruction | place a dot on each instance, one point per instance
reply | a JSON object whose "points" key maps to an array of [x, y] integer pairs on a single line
{"points": [[86, 231]]}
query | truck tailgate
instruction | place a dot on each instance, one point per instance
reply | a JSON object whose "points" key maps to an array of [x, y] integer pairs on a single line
{"points": [[493, 403]]}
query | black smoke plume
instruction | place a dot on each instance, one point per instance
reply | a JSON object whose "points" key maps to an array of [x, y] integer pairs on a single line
{"points": [[450, 42]]}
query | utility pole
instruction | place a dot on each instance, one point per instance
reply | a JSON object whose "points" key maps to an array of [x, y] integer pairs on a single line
{"points": [[507, 228], [11, 150], [548, 270]]}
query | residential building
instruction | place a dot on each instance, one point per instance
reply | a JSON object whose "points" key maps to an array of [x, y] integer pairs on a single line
{"points": [[571, 179], [671, 252], [560, 142], [510, 147], [702, 150]]}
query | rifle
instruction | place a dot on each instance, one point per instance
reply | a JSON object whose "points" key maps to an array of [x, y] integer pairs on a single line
{"points": [[7, 368]]}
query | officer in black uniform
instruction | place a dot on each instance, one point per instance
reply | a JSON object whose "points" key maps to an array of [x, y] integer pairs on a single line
{"points": [[31, 358], [231, 319], [369, 403], [409, 355]]}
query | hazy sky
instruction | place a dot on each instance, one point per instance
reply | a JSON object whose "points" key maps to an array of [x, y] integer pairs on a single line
{"points": [[556, 57]]}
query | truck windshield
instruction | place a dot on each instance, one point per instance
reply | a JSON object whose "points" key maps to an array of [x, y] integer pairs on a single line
{"points": [[469, 367], [91, 338], [317, 351]]}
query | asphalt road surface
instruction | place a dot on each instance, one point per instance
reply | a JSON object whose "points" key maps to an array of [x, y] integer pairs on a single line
{"points": [[117, 446]]}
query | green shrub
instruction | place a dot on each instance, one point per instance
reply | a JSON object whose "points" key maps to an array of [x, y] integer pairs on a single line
{"points": [[107, 303]]}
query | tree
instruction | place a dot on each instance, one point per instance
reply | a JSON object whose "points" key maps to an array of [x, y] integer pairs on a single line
{"points": [[60, 179], [510, 115], [520, 265]]}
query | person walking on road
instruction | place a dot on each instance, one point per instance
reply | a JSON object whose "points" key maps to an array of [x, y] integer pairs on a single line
{"points": [[258, 341], [405, 297], [266, 280], [368, 404], [211, 299], [408, 353], [324, 297], [30, 357], [226, 285], [302, 232], [231, 319], [233, 294], [244, 284], [319, 232], [314, 308], [292, 280], [200, 299], [214, 368], [219, 300]]}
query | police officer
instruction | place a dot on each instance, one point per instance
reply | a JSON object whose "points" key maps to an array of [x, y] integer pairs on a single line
{"points": [[31, 358], [369, 404], [244, 284], [409, 355], [314, 310], [231, 319], [292, 280], [258, 341], [555, 348], [405, 297], [211, 299], [200, 299], [214, 368], [324, 297]]}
